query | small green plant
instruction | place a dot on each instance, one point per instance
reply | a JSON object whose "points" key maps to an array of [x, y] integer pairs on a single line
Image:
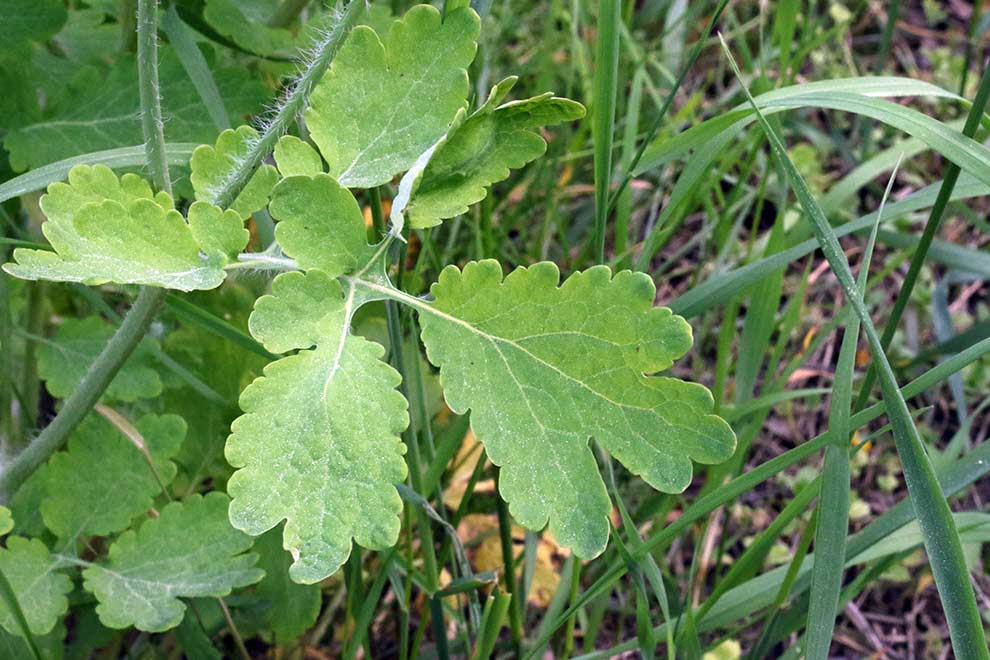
{"points": [[541, 366]]}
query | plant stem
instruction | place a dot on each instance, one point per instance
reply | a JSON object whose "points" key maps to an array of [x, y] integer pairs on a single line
{"points": [[152, 125], [325, 50], [84, 397], [508, 561]]}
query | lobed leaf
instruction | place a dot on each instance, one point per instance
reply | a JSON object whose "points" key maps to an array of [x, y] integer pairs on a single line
{"points": [[109, 230], [543, 367], [482, 149], [190, 550], [318, 442], [380, 106], [63, 361], [211, 165], [40, 591], [294, 157], [125, 487]]}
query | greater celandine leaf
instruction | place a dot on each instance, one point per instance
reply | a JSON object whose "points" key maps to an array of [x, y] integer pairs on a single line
{"points": [[318, 442], [543, 368], [63, 361], [482, 149], [106, 229], [212, 165], [40, 590], [121, 483], [245, 23], [189, 551], [100, 109], [380, 106]]}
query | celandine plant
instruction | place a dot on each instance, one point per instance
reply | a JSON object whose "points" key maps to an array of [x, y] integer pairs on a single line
{"points": [[542, 366]]}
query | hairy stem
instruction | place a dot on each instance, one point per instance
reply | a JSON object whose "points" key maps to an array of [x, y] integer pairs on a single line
{"points": [[324, 50], [152, 125]]}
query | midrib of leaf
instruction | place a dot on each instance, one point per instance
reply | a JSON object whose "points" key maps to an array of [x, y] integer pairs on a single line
{"points": [[424, 306]]}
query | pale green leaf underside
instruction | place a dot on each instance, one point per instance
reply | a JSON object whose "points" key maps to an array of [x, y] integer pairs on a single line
{"points": [[6, 521], [318, 442], [380, 106], [294, 157], [74, 506], [189, 551], [212, 166], [109, 230], [40, 591], [544, 368], [482, 150], [64, 360]]}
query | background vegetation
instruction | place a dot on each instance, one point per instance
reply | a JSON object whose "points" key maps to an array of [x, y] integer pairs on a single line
{"points": [[657, 178]]}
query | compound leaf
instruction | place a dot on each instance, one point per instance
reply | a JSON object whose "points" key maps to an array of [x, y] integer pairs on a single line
{"points": [[190, 550], [64, 360], [109, 230], [543, 368], [211, 165], [39, 590], [482, 150], [318, 442], [120, 485], [382, 105]]}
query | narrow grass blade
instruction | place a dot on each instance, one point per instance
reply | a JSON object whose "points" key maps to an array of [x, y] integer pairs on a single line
{"points": [[603, 112], [833, 505], [176, 153], [192, 60], [194, 314], [928, 234], [941, 538], [964, 473]]}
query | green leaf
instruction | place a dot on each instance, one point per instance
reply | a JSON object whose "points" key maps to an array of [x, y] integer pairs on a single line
{"points": [[30, 20], [6, 521], [543, 367], [245, 23], [74, 506], [318, 442], [382, 105], [292, 608], [63, 362], [295, 157], [482, 150], [106, 229], [320, 224], [212, 165], [40, 591], [190, 550], [100, 107]]}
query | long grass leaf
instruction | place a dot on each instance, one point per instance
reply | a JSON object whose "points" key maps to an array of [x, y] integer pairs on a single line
{"points": [[603, 113], [941, 538]]}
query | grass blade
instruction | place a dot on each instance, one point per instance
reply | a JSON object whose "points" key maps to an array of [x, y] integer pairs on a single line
{"points": [[603, 110], [941, 537]]}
